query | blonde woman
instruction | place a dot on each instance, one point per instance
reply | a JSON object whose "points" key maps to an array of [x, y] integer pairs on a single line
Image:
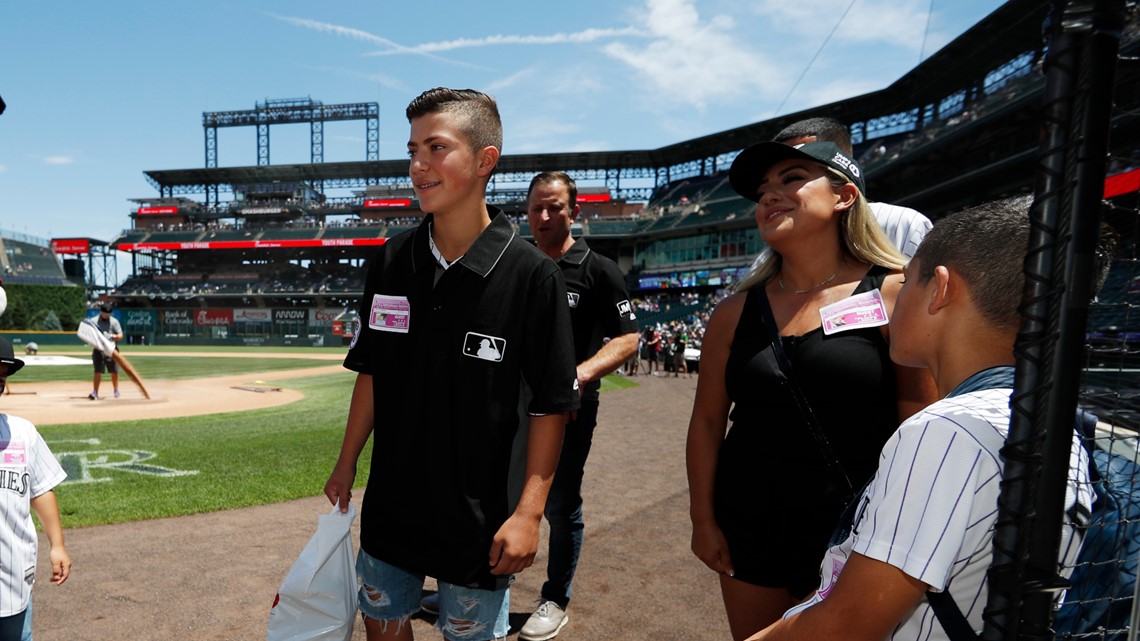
{"points": [[765, 497]]}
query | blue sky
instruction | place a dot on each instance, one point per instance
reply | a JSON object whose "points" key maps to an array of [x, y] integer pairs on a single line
{"points": [[98, 93]]}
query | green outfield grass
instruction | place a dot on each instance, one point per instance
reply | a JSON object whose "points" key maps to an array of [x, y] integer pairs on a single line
{"points": [[225, 460], [616, 382], [212, 462]]}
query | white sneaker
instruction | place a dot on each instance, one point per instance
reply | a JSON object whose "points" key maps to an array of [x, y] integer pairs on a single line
{"points": [[546, 622]]}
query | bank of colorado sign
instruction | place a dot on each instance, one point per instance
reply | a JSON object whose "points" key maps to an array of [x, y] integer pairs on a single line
{"points": [[177, 317]]}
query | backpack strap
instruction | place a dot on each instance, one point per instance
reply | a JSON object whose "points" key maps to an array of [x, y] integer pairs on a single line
{"points": [[950, 616], [784, 366]]}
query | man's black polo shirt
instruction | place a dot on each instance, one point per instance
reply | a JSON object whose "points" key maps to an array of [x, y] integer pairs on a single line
{"points": [[599, 303], [448, 364]]}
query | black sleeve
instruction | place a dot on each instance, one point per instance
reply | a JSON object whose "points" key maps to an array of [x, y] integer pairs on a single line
{"points": [[548, 365], [357, 358], [617, 314]]}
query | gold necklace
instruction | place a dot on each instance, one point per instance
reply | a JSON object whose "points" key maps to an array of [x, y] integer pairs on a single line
{"points": [[806, 290]]}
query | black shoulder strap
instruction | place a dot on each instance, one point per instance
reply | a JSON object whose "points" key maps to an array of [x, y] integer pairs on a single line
{"points": [[785, 367], [950, 616]]}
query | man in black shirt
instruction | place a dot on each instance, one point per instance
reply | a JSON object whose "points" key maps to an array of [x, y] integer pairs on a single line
{"points": [[600, 309]]}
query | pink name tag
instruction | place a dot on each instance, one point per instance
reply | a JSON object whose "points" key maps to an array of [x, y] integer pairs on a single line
{"points": [[12, 453], [390, 314], [862, 310]]}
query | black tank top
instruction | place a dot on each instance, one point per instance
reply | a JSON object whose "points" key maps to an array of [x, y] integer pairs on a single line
{"points": [[847, 378]]}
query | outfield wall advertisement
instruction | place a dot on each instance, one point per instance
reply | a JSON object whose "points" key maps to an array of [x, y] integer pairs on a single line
{"points": [[248, 325]]}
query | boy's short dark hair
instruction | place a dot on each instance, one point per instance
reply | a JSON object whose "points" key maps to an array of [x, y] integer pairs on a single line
{"points": [[479, 114], [986, 246], [822, 128], [550, 177]]}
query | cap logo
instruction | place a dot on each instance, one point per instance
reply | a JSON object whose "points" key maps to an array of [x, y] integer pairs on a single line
{"points": [[846, 163]]}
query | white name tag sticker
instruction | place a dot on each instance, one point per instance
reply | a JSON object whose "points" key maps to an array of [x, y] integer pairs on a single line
{"points": [[390, 314], [855, 312]]}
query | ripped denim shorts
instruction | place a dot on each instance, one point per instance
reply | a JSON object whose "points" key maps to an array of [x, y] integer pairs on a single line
{"points": [[391, 595]]}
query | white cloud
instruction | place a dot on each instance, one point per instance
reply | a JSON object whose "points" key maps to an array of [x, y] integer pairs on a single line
{"points": [[695, 61], [579, 37], [512, 80], [364, 36], [59, 160], [3, 169], [898, 23], [539, 134], [382, 79]]}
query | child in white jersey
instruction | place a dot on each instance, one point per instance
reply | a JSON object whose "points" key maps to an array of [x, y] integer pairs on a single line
{"points": [[926, 520], [28, 472]]}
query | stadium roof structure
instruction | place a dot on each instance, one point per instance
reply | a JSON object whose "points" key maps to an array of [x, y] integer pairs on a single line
{"points": [[1005, 45]]}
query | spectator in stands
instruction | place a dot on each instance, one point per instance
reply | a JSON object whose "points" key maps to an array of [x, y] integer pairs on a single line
{"points": [[111, 328], [764, 526], [458, 316], [904, 226], [954, 315], [599, 310]]}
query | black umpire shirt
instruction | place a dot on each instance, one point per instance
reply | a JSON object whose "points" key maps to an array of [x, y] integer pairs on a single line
{"points": [[599, 303], [448, 363]]}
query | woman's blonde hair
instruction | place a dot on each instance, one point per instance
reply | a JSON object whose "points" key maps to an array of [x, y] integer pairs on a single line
{"points": [[862, 237]]}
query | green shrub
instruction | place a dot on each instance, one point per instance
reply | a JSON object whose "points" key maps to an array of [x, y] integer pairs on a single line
{"points": [[31, 306]]}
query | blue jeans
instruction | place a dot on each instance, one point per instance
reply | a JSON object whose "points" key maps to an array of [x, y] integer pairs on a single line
{"points": [[564, 505], [17, 627], [391, 595], [27, 633]]}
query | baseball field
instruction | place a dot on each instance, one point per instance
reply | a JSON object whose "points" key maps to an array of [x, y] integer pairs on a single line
{"points": [[184, 511]]}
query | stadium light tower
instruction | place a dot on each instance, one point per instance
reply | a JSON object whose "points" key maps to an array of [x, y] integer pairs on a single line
{"points": [[287, 111]]}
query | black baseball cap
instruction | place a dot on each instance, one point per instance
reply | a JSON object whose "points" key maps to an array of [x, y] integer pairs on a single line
{"points": [[750, 165], [106, 307], [8, 357]]}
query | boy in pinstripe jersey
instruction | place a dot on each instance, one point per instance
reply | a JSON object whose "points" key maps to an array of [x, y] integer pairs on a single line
{"points": [[28, 472], [925, 521]]}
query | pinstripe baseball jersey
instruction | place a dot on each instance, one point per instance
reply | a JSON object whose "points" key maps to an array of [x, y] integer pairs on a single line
{"points": [[931, 507], [27, 470], [904, 226]]}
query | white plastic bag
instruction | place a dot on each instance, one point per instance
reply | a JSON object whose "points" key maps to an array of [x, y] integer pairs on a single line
{"points": [[317, 600]]}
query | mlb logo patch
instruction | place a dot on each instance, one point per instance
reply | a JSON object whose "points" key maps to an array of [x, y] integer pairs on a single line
{"points": [[572, 298], [626, 309], [484, 347]]}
